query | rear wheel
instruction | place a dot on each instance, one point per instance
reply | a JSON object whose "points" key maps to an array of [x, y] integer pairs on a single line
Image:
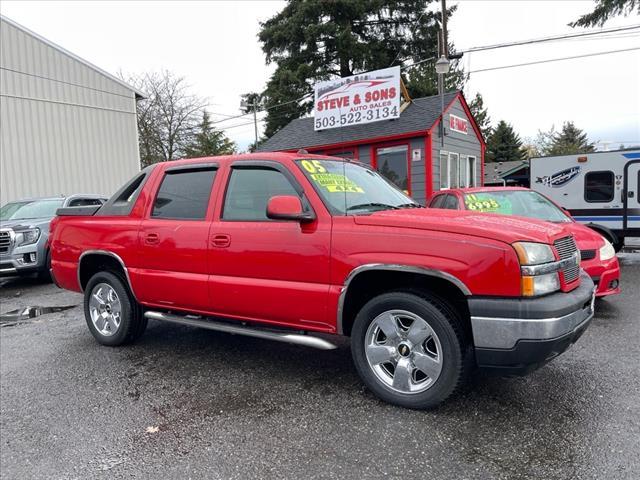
{"points": [[112, 314], [409, 349]]}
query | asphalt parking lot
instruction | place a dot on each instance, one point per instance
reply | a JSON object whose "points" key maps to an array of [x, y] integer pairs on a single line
{"points": [[188, 403]]}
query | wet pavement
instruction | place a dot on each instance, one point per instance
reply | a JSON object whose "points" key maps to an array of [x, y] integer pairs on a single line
{"points": [[188, 403]]}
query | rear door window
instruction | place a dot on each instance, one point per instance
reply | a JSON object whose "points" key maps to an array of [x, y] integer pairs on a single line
{"points": [[599, 187], [450, 203], [85, 202], [184, 194], [437, 201]]}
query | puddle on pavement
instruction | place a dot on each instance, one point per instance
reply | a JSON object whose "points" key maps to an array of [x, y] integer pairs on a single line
{"points": [[24, 314]]}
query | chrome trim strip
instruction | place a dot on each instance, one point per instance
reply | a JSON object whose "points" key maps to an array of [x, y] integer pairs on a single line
{"points": [[504, 333], [551, 267], [109, 254], [396, 268], [298, 339], [8, 270]]}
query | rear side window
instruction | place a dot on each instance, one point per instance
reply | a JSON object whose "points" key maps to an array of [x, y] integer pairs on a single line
{"points": [[599, 186], [184, 194], [437, 202], [249, 192], [450, 203]]}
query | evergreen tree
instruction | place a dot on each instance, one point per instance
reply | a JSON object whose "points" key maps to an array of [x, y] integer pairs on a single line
{"points": [[312, 40], [604, 10], [207, 141], [481, 115], [570, 140], [504, 144]]}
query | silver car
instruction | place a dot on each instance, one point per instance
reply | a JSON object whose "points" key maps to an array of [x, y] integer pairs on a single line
{"points": [[24, 232]]}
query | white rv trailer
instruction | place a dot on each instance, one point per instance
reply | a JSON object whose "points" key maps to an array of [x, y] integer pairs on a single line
{"points": [[601, 190]]}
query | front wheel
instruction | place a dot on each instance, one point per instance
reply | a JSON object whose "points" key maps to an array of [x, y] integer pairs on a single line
{"points": [[409, 349], [112, 314]]}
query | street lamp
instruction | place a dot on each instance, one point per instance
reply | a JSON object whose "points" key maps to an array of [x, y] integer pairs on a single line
{"points": [[442, 68]]}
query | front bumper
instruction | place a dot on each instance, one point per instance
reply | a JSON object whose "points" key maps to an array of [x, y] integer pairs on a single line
{"points": [[516, 336], [19, 261], [605, 275]]}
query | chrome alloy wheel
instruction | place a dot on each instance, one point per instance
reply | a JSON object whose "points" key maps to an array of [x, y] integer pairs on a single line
{"points": [[105, 309], [403, 351]]}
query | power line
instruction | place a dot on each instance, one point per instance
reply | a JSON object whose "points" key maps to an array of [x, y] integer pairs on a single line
{"points": [[553, 60], [549, 39]]}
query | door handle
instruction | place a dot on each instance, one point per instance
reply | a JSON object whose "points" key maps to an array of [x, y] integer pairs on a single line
{"points": [[152, 239], [221, 240]]}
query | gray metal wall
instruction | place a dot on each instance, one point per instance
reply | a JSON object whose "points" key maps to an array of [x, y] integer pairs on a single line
{"points": [[65, 127], [456, 142]]}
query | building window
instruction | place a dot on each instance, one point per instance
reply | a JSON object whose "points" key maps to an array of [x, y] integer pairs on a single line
{"points": [[467, 171], [599, 186], [393, 163], [184, 194], [444, 170], [454, 169], [350, 153], [249, 191]]}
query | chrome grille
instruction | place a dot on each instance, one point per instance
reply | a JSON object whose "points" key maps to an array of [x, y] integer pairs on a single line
{"points": [[5, 241], [566, 248], [587, 254]]}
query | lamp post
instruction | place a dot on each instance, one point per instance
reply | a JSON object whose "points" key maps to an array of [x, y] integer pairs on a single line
{"points": [[442, 68]]}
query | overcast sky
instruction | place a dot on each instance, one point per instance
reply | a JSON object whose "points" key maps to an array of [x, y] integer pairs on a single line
{"points": [[214, 46]]}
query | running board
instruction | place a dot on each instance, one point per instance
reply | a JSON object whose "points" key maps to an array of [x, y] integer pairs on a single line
{"points": [[298, 339]]}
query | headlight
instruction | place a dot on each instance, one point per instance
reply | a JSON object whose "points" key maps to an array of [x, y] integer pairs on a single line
{"points": [[531, 253], [607, 251], [537, 278], [27, 237]]}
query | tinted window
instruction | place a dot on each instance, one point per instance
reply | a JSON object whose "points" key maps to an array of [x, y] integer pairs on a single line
{"points": [[249, 192], [451, 202], [437, 201], [85, 202], [184, 194], [393, 163], [599, 186]]}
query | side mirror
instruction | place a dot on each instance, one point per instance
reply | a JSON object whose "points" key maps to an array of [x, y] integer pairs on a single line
{"points": [[287, 207]]}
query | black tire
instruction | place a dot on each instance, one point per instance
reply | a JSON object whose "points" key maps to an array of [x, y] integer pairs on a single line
{"points": [[456, 351], [45, 273], [132, 322]]}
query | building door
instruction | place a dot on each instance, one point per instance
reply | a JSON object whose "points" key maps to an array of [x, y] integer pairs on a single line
{"points": [[632, 204], [393, 163]]}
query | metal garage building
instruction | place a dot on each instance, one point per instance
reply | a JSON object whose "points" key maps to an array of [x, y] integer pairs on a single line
{"points": [[66, 125]]}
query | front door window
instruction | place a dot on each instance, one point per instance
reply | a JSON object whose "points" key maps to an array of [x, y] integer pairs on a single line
{"points": [[393, 163]]}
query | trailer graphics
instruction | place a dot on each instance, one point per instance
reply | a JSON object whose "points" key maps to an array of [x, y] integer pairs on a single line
{"points": [[601, 190]]}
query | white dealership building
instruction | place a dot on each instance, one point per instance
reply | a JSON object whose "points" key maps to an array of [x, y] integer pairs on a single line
{"points": [[66, 126]]}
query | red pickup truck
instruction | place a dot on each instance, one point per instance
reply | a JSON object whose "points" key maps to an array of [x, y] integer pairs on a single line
{"points": [[284, 246]]}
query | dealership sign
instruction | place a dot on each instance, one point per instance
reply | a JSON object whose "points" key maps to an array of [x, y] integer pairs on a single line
{"points": [[458, 124], [364, 98]]}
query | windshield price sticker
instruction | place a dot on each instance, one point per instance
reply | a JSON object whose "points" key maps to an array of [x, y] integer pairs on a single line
{"points": [[480, 204], [334, 183]]}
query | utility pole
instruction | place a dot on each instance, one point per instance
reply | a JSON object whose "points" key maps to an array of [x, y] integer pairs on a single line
{"points": [[445, 40], [255, 118]]}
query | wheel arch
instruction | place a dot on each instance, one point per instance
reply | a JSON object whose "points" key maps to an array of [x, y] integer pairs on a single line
{"points": [[93, 261], [363, 283]]}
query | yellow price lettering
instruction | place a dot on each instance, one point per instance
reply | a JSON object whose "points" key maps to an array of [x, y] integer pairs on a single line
{"points": [[313, 166]]}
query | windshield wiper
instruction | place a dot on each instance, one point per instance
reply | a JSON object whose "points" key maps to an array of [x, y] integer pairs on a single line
{"points": [[411, 205], [372, 204]]}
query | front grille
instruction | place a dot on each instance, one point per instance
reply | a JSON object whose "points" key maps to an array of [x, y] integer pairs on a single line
{"points": [[5, 242], [587, 254], [566, 248]]}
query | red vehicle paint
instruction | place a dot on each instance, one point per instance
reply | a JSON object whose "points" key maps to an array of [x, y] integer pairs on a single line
{"points": [[605, 273], [273, 245]]}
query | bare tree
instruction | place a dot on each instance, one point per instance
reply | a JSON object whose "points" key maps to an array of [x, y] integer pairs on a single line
{"points": [[167, 118]]}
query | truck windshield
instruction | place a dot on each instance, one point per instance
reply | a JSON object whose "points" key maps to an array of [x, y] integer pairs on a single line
{"points": [[31, 209], [524, 203], [348, 188]]}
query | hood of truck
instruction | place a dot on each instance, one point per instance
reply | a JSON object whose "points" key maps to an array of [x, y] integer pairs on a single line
{"points": [[21, 224], [504, 228]]}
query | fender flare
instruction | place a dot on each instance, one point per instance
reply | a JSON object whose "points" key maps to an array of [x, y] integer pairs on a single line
{"points": [[106, 253], [427, 272]]}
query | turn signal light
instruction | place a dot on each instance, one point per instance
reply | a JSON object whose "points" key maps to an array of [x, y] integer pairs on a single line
{"points": [[528, 287]]}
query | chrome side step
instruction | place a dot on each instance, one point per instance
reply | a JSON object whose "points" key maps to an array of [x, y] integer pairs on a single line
{"points": [[298, 339]]}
